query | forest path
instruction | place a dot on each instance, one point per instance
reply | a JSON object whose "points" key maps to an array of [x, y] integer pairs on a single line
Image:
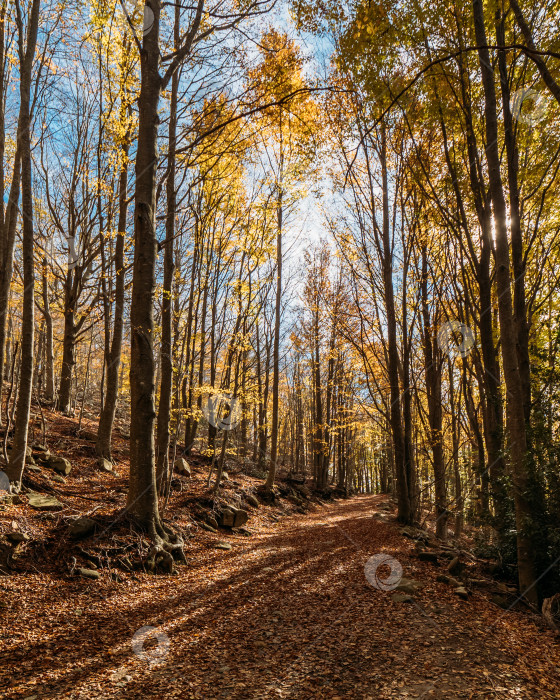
{"points": [[287, 613]]}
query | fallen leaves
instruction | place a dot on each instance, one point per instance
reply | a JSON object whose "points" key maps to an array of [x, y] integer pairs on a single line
{"points": [[287, 612]]}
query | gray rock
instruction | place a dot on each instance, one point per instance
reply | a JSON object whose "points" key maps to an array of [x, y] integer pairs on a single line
{"points": [[462, 592], [182, 466], [409, 586], [211, 520], [89, 573], [500, 601], [452, 564], [415, 534], [208, 528], [227, 518], [42, 456], [58, 478], [401, 598], [82, 527], [252, 500], [105, 465], [37, 447], [59, 464], [241, 517], [222, 545], [41, 502], [481, 583]]}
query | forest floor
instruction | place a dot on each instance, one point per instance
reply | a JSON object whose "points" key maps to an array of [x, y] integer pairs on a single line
{"points": [[287, 612]]}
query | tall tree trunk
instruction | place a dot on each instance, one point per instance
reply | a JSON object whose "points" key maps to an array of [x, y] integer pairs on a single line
{"points": [[107, 417], [276, 349], [9, 216], [166, 386], [403, 472], [318, 438], [514, 395], [188, 343], [26, 54], [68, 348], [142, 500], [262, 387], [432, 364], [517, 257], [49, 351]]}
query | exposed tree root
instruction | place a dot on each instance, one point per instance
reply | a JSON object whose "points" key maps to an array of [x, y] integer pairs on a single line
{"points": [[167, 547]]}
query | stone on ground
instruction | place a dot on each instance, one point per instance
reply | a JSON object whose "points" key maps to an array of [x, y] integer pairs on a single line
{"points": [[59, 464], [82, 527], [40, 501], [402, 598], [89, 573], [182, 467], [409, 586], [105, 465]]}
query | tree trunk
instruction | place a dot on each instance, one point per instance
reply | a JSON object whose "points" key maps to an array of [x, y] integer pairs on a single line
{"points": [[26, 53], [405, 508], [276, 350], [166, 386], [8, 218], [514, 395], [142, 502], [68, 349], [49, 351], [107, 417], [517, 256], [432, 364]]}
